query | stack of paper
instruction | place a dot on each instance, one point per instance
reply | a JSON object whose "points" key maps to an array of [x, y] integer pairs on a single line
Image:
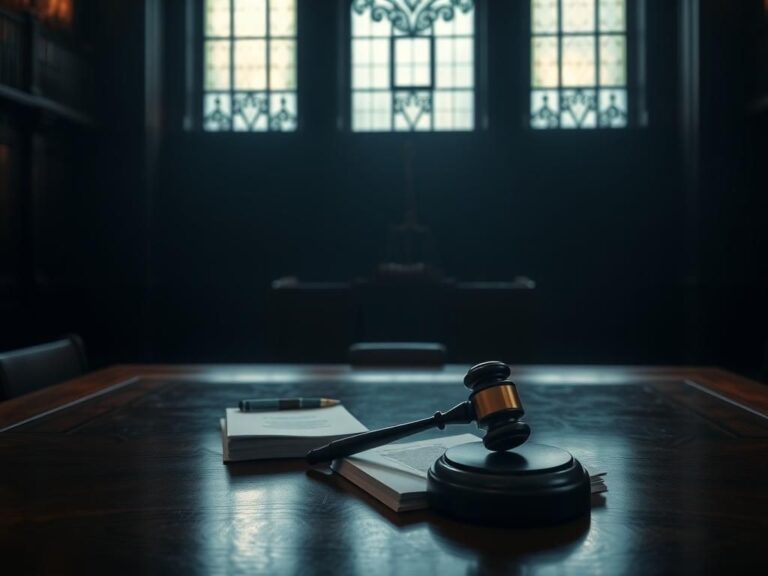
{"points": [[396, 474], [597, 482], [283, 433]]}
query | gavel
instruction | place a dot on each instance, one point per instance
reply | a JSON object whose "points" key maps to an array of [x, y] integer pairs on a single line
{"points": [[493, 403]]}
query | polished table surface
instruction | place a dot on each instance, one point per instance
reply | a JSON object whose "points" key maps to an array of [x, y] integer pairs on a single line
{"points": [[120, 471]]}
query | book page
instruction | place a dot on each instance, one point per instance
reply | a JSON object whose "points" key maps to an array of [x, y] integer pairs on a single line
{"points": [[396, 474], [418, 459], [311, 422], [414, 457]]}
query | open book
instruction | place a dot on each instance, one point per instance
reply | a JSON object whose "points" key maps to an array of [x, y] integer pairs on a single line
{"points": [[396, 474], [283, 433]]}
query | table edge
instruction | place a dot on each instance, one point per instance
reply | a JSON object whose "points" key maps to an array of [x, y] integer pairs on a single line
{"points": [[732, 387]]}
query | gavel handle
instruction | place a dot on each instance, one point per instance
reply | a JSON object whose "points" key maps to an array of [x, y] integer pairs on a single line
{"points": [[460, 414]]}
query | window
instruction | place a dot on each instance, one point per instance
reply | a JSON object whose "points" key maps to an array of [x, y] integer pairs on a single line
{"points": [[249, 65], [578, 64], [412, 65]]}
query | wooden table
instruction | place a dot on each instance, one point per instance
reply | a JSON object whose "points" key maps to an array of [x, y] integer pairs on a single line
{"points": [[121, 471]]}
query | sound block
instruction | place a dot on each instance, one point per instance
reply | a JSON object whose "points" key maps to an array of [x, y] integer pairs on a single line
{"points": [[533, 485]]}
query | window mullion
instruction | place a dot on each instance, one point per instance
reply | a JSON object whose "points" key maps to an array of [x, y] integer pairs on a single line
{"points": [[597, 63], [232, 62], [268, 50], [559, 62], [606, 99], [240, 42], [433, 86], [414, 93]]}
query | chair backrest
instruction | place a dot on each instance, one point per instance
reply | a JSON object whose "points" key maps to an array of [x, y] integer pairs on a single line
{"points": [[29, 369], [397, 354]]}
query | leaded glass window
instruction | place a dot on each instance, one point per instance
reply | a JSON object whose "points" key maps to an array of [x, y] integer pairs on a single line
{"points": [[249, 65], [578, 64], [412, 65]]}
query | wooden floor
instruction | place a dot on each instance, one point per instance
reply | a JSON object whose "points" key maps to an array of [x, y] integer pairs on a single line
{"points": [[121, 471]]}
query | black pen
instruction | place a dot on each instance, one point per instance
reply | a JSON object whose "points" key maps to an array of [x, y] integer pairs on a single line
{"points": [[285, 403]]}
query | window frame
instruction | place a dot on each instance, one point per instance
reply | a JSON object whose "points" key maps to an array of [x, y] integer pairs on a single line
{"points": [[637, 111], [489, 116], [344, 75], [195, 78]]}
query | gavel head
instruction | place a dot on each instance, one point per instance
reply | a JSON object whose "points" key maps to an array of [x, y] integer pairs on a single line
{"points": [[497, 406]]}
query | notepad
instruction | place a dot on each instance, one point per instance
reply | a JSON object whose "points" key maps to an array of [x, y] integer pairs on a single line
{"points": [[283, 433], [396, 474]]}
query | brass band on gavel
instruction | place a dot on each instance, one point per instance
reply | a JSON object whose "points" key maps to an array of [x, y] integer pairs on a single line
{"points": [[496, 398]]}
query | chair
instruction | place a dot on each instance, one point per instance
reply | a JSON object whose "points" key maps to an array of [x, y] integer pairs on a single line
{"points": [[396, 354], [29, 369]]}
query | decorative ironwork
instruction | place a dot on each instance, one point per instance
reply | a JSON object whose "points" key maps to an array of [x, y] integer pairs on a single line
{"points": [[578, 64], [249, 78], [250, 112], [578, 105], [250, 108], [282, 119], [217, 119], [412, 65], [578, 109], [412, 16], [545, 116], [411, 106], [612, 115]]}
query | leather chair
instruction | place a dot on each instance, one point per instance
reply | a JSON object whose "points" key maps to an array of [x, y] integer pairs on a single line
{"points": [[408, 354], [29, 369]]}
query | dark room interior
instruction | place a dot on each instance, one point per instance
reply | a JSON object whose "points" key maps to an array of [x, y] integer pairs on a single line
{"points": [[157, 241], [372, 196]]}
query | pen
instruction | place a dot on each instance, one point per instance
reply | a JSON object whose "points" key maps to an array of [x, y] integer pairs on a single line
{"points": [[252, 405]]}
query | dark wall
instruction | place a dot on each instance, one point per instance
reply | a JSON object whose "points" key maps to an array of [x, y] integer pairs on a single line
{"points": [[159, 244], [73, 188], [594, 217], [733, 211], [45, 178]]}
